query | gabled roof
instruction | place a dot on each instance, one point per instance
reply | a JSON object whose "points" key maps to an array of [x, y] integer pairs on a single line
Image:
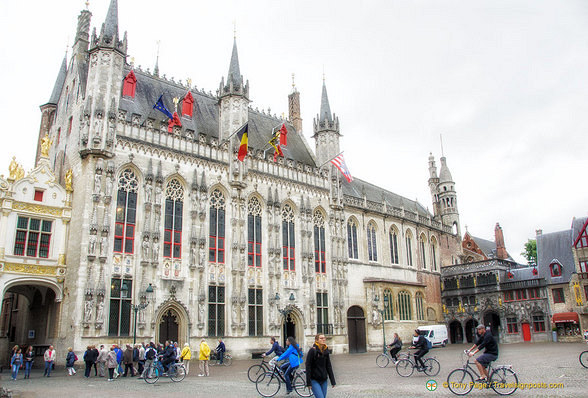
{"points": [[555, 247], [579, 226]]}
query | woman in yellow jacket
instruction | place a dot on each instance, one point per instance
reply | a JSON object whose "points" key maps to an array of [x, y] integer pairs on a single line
{"points": [[186, 355], [204, 357]]}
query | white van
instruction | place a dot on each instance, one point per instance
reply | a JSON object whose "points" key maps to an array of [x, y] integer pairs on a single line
{"points": [[437, 334]]}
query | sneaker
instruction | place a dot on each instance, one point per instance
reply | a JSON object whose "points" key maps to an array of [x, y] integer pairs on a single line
{"points": [[110, 379], [396, 362], [481, 380], [200, 375]]}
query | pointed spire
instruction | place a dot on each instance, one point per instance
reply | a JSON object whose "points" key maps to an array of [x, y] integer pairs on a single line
{"points": [[203, 183], [59, 82], [325, 108], [156, 69], [110, 26], [159, 176], [195, 181], [444, 173], [234, 71]]}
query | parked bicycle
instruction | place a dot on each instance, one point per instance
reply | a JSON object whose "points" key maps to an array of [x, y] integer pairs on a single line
{"points": [[269, 383], [215, 359], [257, 369], [406, 366], [502, 379], [176, 372]]}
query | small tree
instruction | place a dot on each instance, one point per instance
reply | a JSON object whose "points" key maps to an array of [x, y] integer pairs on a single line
{"points": [[530, 252]]}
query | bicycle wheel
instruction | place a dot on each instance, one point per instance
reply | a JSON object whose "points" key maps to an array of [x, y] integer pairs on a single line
{"points": [[152, 375], [504, 381], [268, 384], [460, 381], [382, 360], [432, 367], [584, 359], [254, 372], [300, 386], [404, 367], [178, 374], [227, 360]]}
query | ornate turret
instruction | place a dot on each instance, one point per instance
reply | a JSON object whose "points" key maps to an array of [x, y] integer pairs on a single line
{"points": [[448, 197], [81, 43], [434, 185], [109, 37], [294, 108], [326, 131]]}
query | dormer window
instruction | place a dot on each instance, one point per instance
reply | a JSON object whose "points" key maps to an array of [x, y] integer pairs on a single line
{"points": [[188, 105], [555, 269], [129, 85], [38, 195]]}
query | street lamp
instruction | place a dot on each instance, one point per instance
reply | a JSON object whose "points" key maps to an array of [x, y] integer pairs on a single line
{"points": [[137, 307], [383, 312], [287, 309]]}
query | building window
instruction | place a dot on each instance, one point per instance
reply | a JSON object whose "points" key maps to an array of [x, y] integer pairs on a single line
{"points": [[404, 307], [254, 233], [555, 269], [423, 257], [521, 294], [174, 205], [582, 240], [119, 320], [255, 312], [534, 293], [584, 266], [33, 237], [538, 323], [129, 85], [69, 125], [434, 255], [288, 242], [408, 249], [216, 310], [586, 292], [418, 299], [486, 279], [320, 265], [371, 241], [394, 246], [216, 236], [322, 313], [450, 284], [512, 325], [126, 210], [352, 239], [187, 105], [388, 305], [558, 296], [38, 195], [509, 295]]}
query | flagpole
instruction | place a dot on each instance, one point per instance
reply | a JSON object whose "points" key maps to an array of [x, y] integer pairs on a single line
{"points": [[331, 159], [236, 131]]}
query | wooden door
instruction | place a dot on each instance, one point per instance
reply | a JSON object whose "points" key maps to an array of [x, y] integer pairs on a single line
{"points": [[526, 332], [356, 330]]}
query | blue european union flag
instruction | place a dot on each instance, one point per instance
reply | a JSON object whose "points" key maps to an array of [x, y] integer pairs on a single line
{"points": [[161, 107]]}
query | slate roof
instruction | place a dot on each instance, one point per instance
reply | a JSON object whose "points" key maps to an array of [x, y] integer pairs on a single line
{"points": [[555, 246], [59, 82], [488, 247]]}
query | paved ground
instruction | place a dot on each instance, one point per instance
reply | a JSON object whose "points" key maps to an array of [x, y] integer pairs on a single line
{"points": [[357, 376]]}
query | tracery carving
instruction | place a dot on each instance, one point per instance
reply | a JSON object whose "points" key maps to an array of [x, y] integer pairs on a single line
{"points": [[128, 181], [174, 190]]}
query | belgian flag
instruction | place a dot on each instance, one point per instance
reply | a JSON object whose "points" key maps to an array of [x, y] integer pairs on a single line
{"points": [[242, 135]]}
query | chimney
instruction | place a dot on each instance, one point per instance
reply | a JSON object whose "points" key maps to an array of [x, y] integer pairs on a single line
{"points": [[499, 240], [538, 232]]}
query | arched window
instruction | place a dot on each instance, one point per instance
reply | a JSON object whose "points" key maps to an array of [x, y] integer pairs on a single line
{"points": [[404, 306], [352, 238], [129, 85], [371, 241], [288, 242], [408, 248], [174, 205], [320, 265], [388, 305], [423, 256], [126, 212], [216, 235], [418, 300], [433, 254], [187, 105], [394, 246], [254, 233]]}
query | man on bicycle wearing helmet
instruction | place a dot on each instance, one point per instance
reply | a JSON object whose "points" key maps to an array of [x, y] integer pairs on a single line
{"points": [[487, 341]]}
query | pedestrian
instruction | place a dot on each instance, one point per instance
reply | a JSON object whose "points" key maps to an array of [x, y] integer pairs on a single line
{"points": [[185, 356], [141, 362], [119, 355], [111, 363], [102, 359], [128, 361], [49, 358], [204, 357], [395, 347], [70, 360], [15, 363], [220, 351], [318, 367], [96, 353], [178, 351], [89, 359], [150, 354], [29, 357]]}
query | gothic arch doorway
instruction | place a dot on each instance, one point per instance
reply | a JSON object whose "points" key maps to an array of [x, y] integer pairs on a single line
{"points": [[470, 330], [168, 327], [356, 329], [172, 323], [455, 332], [289, 328], [492, 320]]}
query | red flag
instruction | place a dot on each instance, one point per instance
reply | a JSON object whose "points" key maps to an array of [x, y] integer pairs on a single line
{"points": [[278, 152], [174, 121], [339, 163], [283, 135]]}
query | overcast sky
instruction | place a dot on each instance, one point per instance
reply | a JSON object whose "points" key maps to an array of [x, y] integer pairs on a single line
{"points": [[505, 82]]}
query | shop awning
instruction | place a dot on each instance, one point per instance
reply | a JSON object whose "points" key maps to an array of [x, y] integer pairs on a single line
{"points": [[562, 317]]}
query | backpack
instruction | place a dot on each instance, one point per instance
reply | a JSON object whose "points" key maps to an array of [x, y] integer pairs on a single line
{"points": [[429, 344], [75, 357], [150, 353]]}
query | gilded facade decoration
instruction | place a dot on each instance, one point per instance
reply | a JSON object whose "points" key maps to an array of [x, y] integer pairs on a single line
{"points": [[31, 269], [38, 209]]}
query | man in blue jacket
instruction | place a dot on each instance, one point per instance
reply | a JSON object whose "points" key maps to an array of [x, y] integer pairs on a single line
{"points": [[276, 348]]}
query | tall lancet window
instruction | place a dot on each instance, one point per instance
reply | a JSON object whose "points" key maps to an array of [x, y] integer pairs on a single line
{"points": [[320, 264], [288, 241], [394, 246], [216, 236], [371, 241], [174, 205], [423, 253], [352, 238], [254, 233], [126, 212]]}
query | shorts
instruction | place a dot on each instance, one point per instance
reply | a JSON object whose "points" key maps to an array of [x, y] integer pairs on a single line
{"points": [[486, 358]]}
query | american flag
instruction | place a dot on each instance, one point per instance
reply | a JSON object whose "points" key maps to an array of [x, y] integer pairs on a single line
{"points": [[339, 163]]}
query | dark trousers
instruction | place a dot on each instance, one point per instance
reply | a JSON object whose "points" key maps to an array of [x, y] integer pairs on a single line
{"points": [[95, 369], [127, 367], [111, 373], [393, 353], [418, 357], [88, 368], [141, 367], [287, 375]]}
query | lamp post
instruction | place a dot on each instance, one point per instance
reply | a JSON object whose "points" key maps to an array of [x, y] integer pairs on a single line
{"points": [[377, 300], [137, 307]]}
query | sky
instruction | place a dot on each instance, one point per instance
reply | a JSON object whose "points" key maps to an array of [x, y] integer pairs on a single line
{"points": [[503, 82]]}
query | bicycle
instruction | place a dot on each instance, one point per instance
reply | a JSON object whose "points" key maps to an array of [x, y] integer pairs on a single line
{"points": [[406, 366], [257, 369], [269, 383], [176, 372], [502, 379], [584, 359], [384, 358], [227, 359]]}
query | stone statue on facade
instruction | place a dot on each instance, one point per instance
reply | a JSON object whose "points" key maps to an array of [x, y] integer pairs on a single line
{"points": [[155, 252], [92, 244], [158, 191], [148, 193], [12, 169], [45, 146], [100, 311], [88, 310], [103, 246], [145, 246], [97, 183], [376, 321]]}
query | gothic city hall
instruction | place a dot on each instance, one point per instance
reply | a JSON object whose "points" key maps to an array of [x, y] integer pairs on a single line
{"points": [[157, 211]]}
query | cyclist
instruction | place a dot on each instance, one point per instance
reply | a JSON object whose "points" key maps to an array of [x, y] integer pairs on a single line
{"points": [[169, 356], [294, 355], [487, 341], [276, 348], [220, 351], [420, 342], [395, 347], [150, 353]]}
